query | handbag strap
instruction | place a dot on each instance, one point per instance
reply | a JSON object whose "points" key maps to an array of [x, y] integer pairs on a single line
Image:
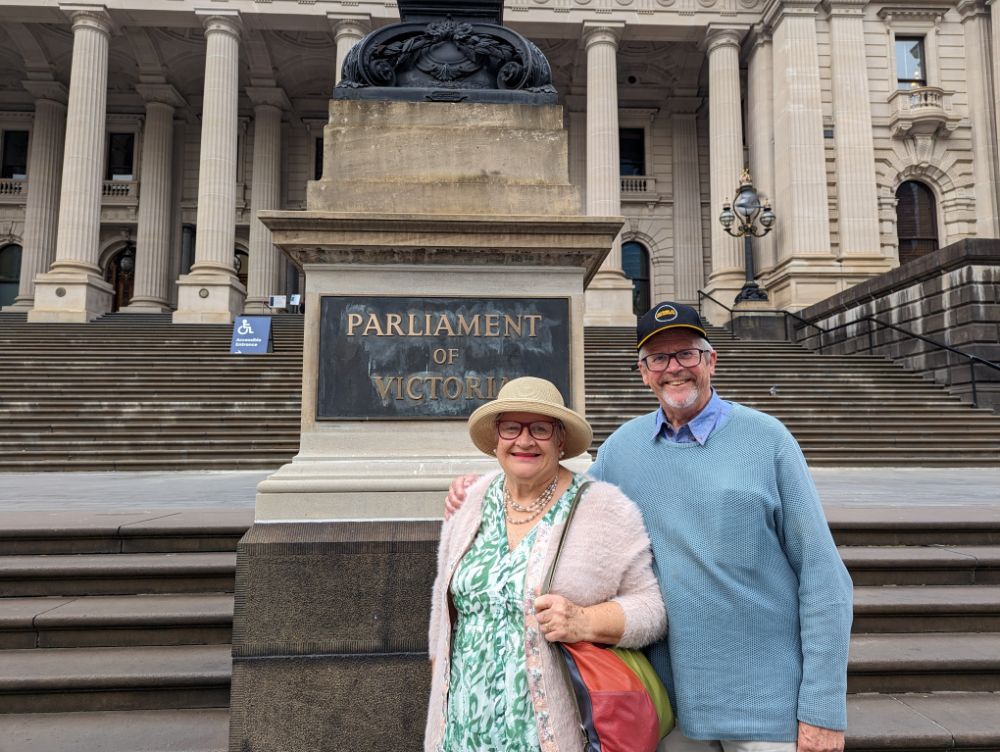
{"points": [[562, 537]]}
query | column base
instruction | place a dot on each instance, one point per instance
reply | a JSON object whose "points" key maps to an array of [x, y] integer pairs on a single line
{"points": [[70, 297], [724, 287], [608, 301], [145, 306], [19, 304], [208, 299], [798, 283], [257, 307]]}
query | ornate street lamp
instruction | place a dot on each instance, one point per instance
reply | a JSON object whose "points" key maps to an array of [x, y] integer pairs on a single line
{"points": [[746, 209]]}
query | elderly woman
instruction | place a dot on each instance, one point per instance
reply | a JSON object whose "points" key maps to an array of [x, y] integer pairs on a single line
{"points": [[497, 684]]}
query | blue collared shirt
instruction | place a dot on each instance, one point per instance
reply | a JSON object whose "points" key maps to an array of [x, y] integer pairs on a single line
{"points": [[712, 416]]}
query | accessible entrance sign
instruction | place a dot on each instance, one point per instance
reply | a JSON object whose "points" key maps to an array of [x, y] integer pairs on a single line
{"points": [[419, 357], [251, 335]]}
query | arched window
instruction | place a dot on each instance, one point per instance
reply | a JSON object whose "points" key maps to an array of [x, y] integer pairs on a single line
{"points": [[10, 273], [916, 221], [635, 264]]}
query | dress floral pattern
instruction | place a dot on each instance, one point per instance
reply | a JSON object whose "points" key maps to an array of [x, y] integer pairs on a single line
{"points": [[489, 705]]}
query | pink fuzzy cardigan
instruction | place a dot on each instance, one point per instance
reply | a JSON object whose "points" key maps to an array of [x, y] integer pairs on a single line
{"points": [[606, 557]]}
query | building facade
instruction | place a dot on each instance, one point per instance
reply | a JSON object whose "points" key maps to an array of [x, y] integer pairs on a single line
{"points": [[140, 138]]}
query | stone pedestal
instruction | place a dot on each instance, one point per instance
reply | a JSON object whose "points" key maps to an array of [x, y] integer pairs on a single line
{"points": [[334, 578]]}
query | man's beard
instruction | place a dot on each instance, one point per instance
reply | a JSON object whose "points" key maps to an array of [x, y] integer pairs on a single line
{"points": [[686, 402]]}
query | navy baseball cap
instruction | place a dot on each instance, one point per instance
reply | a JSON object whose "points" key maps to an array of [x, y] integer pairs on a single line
{"points": [[667, 315]]}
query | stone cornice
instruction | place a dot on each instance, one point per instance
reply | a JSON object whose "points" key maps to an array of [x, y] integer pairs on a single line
{"points": [[926, 14], [972, 8], [853, 8], [776, 10]]}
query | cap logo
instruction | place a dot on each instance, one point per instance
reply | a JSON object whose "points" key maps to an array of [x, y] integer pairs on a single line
{"points": [[665, 313]]}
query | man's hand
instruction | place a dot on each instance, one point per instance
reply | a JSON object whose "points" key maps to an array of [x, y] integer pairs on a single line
{"points": [[817, 739], [456, 494]]}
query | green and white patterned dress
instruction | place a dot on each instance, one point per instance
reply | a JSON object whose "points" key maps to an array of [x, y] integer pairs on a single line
{"points": [[489, 706]]}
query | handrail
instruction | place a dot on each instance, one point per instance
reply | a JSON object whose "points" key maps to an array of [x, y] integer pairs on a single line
{"points": [[972, 360], [733, 313]]}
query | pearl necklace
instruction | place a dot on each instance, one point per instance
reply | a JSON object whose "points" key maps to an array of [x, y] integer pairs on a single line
{"points": [[535, 508]]}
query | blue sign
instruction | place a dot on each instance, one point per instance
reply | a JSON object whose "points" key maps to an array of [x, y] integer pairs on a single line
{"points": [[251, 335]]}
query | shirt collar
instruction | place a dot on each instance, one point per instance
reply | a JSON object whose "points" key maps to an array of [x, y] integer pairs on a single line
{"points": [[699, 427]]}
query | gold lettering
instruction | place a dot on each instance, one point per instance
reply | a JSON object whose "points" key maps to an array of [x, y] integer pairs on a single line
{"points": [[452, 381], [445, 324], [383, 384], [492, 325], [473, 388], [410, 383], [466, 328], [373, 323], [392, 322], [353, 320], [427, 325], [411, 329], [533, 319], [509, 326], [433, 381]]}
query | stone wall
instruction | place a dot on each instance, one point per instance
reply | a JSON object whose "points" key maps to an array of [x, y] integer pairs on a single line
{"points": [[951, 296]]}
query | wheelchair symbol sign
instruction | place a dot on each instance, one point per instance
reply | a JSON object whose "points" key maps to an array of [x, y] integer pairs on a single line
{"points": [[251, 335]]}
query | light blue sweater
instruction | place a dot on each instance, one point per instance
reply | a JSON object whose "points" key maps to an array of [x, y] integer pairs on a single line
{"points": [[759, 604]]}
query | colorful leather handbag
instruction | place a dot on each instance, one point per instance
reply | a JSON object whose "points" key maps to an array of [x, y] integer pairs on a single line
{"points": [[623, 705]]}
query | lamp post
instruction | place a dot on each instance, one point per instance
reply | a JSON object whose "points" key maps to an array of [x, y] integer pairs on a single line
{"points": [[746, 209]]}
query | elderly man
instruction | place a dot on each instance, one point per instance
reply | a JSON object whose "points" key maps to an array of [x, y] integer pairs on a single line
{"points": [[758, 601]]}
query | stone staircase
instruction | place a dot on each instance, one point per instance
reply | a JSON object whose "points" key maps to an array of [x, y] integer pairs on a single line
{"points": [[847, 411], [136, 392], [114, 629]]}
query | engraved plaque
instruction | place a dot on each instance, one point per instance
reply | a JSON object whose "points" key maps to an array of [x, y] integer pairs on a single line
{"points": [[414, 357]]}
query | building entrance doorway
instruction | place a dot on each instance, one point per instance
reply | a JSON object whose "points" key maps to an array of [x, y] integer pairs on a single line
{"points": [[10, 273], [635, 264], [120, 274]]}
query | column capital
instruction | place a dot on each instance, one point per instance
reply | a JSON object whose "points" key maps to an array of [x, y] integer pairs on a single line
{"points": [[717, 37], [90, 16], [218, 21], [776, 10], [845, 7], [759, 36], [269, 96], [683, 106], [51, 90], [352, 25], [602, 32], [971, 9], [161, 93]]}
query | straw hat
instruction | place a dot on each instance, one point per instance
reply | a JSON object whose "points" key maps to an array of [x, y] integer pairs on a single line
{"points": [[529, 395]]}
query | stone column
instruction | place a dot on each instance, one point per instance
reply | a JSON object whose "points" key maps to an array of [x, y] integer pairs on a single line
{"points": [[725, 132], [984, 166], [609, 297], [760, 138], [347, 31], [800, 175], [41, 211], [857, 199], [265, 193], [73, 288], [211, 293], [152, 253], [689, 267]]}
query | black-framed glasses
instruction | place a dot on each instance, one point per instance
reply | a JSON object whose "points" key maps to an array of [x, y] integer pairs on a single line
{"points": [[661, 361], [540, 430]]}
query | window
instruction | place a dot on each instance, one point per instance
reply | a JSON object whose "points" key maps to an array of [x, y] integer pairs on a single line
{"points": [[916, 221], [911, 69], [10, 273], [635, 264], [121, 152], [15, 155], [318, 160], [632, 151]]}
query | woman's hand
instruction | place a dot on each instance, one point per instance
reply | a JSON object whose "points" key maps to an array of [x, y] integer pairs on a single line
{"points": [[561, 620]]}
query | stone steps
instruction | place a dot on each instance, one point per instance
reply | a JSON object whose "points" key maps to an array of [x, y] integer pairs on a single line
{"points": [[923, 565], [927, 608]]}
